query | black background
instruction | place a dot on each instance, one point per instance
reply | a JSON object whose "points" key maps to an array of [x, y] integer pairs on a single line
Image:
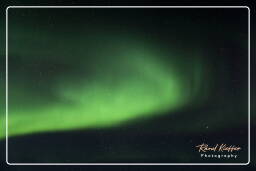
{"points": [[251, 166]]}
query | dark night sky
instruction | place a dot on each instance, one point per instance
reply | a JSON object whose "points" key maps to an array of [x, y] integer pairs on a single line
{"points": [[215, 115]]}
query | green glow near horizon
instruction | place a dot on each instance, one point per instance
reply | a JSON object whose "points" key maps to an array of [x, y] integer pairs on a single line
{"points": [[131, 81], [149, 90]]}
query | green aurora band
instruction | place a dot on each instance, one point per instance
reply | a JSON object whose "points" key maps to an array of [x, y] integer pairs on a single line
{"points": [[112, 79]]}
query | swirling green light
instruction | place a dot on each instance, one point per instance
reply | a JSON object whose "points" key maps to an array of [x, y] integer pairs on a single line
{"points": [[104, 88]]}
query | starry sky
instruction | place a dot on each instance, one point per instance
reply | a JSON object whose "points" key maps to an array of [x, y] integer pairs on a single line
{"points": [[126, 85]]}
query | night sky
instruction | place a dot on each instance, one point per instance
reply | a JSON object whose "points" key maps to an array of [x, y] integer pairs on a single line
{"points": [[126, 85]]}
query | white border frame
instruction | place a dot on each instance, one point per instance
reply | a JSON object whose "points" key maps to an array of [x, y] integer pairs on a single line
{"points": [[9, 7]]}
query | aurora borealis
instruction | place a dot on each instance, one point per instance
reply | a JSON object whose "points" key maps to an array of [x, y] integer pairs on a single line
{"points": [[134, 84], [119, 77], [166, 75]]}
